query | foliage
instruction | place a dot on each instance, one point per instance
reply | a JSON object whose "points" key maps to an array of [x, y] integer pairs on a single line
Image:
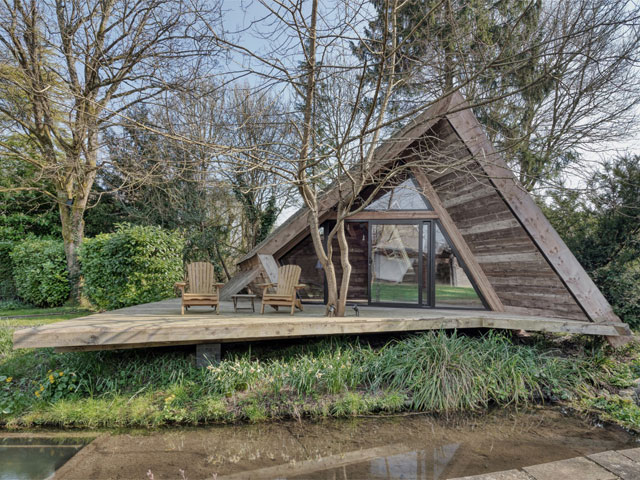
{"points": [[186, 200], [339, 377], [135, 264], [620, 282], [7, 284], [603, 231], [40, 272], [25, 210]]}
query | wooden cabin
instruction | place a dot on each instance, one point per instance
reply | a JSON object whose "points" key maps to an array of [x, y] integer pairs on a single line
{"points": [[465, 237], [459, 246]]}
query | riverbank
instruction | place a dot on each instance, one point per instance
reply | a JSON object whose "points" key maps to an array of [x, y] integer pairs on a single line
{"points": [[339, 377]]}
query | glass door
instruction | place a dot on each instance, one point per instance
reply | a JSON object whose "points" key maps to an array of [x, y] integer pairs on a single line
{"points": [[395, 263]]}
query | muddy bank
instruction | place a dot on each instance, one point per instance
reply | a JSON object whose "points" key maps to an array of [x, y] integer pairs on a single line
{"points": [[415, 446]]}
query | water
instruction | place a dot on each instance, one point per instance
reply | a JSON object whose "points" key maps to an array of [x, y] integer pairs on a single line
{"points": [[405, 447], [33, 457]]}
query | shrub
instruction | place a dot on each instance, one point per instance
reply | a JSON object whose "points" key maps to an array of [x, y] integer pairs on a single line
{"points": [[133, 265], [620, 283], [40, 272], [7, 285]]}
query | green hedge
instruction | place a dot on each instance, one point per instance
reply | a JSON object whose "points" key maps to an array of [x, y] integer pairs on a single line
{"points": [[40, 272], [7, 284], [620, 283], [135, 264]]}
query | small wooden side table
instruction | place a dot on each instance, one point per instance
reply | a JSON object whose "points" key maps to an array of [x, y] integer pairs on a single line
{"points": [[245, 296]]}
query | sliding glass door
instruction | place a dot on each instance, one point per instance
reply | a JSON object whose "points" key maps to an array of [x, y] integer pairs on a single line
{"points": [[413, 263], [395, 263]]}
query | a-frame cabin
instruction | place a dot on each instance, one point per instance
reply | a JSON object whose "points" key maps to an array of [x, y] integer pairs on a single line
{"points": [[466, 236], [454, 236]]}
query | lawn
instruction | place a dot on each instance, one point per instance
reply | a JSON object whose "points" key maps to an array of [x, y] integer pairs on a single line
{"points": [[408, 293], [32, 316]]}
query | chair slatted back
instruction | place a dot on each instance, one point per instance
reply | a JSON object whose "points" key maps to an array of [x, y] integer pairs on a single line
{"points": [[200, 276], [288, 278]]}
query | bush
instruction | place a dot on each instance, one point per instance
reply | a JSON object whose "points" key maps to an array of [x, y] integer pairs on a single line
{"points": [[133, 265], [40, 272], [7, 285], [620, 283]]}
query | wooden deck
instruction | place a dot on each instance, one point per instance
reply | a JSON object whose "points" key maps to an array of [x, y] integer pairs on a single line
{"points": [[160, 324]]}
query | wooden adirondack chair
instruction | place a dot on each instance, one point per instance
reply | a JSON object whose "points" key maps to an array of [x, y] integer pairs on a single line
{"points": [[286, 289], [200, 287]]}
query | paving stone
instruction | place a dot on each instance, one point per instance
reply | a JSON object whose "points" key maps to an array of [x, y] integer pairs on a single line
{"points": [[506, 475], [617, 463], [578, 468], [632, 453]]}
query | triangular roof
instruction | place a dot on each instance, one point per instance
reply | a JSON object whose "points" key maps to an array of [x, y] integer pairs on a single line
{"points": [[394, 145], [519, 215]]}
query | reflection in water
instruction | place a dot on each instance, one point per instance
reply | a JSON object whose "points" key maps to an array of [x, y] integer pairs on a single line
{"points": [[417, 464], [35, 458], [410, 447]]}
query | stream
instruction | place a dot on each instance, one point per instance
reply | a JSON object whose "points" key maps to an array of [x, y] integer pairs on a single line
{"points": [[401, 447]]}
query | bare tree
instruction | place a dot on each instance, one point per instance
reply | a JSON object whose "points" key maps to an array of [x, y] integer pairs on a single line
{"points": [[72, 67], [548, 79], [346, 104]]}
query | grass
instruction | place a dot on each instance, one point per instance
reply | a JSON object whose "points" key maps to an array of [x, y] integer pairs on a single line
{"points": [[408, 293], [15, 315], [431, 372]]}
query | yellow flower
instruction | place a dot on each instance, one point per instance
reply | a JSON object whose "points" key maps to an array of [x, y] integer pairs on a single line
{"points": [[49, 371], [51, 378], [9, 379], [37, 394], [42, 388], [61, 373]]}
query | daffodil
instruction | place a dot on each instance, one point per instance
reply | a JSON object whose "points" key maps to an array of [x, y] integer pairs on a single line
{"points": [[9, 379]]}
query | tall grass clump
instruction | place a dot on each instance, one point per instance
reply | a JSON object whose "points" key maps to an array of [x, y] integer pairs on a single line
{"points": [[436, 372], [444, 373], [326, 368]]}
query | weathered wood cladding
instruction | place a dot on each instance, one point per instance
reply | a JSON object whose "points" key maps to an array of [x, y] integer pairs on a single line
{"points": [[262, 277], [515, 267], [304, 255], [511, 247], [357, 238]]}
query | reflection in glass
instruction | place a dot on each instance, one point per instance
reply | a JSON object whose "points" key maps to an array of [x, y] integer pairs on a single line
{"points": [[453, 287], [394, 257], [405, 196], [426, 280]]}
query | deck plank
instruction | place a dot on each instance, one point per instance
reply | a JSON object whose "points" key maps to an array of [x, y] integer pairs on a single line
{"points": [[160, 323]]}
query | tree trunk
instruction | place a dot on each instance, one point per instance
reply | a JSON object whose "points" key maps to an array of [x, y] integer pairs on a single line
{"points": [[73, 196], [346, 271], [72, 219]]}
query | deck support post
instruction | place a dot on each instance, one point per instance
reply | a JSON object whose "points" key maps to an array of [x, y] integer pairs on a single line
{"points": [[207, 354]]}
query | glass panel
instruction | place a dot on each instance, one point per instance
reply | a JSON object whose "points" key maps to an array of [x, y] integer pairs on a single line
{"points": [[453, 287], [394, 258], [405, 196], [426, 283]]}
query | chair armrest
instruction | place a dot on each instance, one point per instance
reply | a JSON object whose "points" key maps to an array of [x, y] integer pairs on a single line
{"points": [[218, 284], [180, 286], [265, 284], [300, 286]]}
